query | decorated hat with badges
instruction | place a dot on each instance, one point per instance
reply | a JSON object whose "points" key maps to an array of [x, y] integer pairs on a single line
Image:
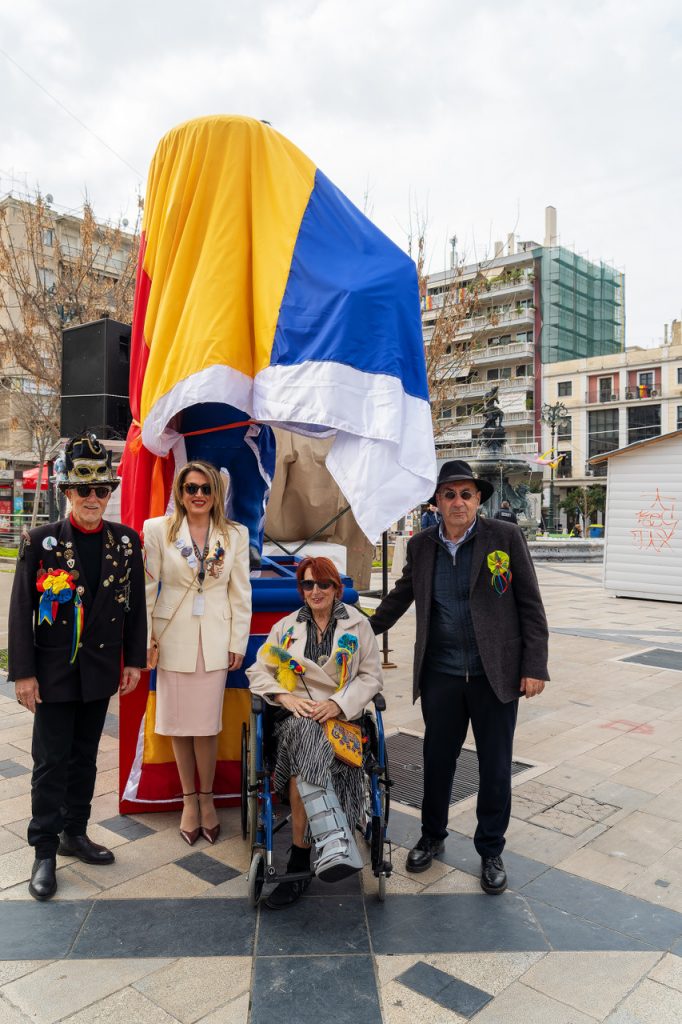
{"points": [[85, 460]]}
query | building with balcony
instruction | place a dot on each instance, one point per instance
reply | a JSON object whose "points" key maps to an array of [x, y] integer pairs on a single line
{"points": [[530, 307], [57, 269], [612, 401]]}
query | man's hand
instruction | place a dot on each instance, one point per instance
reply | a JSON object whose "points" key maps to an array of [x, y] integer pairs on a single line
{"points": [[532, 687], [129, 680], [323, 710], [234, 661], [300, 707], [28, 693]]}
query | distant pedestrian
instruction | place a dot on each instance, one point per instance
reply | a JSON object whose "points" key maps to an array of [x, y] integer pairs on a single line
{"points": [[505, 513], [430, 518]]}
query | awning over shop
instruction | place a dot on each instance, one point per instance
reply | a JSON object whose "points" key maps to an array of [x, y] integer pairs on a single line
{"points": [[30, 478]]}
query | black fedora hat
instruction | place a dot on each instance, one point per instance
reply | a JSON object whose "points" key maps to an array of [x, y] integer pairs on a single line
{"points": [[457, 469]]}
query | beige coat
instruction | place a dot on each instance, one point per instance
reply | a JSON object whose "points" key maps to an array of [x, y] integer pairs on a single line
{"points": [[322, 680], [224, 625]]}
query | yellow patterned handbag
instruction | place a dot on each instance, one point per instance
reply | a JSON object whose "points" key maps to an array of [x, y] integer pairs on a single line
{"points": [[346, 741]]}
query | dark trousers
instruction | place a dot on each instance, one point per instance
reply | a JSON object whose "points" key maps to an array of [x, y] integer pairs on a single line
{"points": [[448, 704], [66, 736]]}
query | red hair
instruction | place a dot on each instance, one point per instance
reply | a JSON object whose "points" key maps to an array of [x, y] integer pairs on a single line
{"points": [[322, 569]]}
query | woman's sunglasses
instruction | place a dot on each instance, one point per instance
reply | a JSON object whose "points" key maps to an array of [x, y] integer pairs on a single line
{"points": [[309, 585], [195, 488], [83, 490]]}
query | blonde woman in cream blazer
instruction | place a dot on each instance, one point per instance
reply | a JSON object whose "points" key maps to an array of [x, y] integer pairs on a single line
{"points": [[199, 619], [335, 647]]}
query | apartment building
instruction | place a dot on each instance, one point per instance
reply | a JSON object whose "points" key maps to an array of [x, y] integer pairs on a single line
{"points": [[57, 269], [612, 401], [536, 305]]}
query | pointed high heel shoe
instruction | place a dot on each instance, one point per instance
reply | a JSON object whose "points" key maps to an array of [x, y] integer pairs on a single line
{"points": [[209, 834], [192, 835]]}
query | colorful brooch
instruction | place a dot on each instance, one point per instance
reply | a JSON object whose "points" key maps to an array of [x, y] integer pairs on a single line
{"points": [[288, 639], [287, 669], [57, 586], [346, 646], [500, 573]]}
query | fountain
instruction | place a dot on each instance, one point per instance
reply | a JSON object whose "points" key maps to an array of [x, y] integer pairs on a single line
{"points": [[508, 473]]}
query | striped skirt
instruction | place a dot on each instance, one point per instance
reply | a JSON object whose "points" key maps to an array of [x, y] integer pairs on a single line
{"points": [[303, 749]]}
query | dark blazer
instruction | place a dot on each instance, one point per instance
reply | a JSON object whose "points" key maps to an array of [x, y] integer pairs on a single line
{"points": [[114, 619], [511, 628]]}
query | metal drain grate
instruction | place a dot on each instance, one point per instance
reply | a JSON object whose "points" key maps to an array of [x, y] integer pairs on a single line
{"points": [[659, 657], [406, 766]]}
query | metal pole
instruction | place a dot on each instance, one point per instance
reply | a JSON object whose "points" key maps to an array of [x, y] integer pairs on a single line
{"points": [[385, 649]]}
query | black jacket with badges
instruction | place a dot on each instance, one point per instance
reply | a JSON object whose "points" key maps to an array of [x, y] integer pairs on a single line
{"points": [[70, 639]]}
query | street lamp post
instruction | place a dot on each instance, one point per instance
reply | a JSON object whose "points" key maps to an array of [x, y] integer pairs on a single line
{"points": [[553, 414]]}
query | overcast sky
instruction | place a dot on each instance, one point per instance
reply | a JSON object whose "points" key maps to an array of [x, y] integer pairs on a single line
{"points": [[479, 113]]}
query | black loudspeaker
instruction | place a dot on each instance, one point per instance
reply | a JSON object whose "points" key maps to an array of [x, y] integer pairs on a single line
{"points": [[95, 373]]}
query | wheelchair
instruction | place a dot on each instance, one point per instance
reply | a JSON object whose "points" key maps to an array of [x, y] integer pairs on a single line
{"points": [[258, 816]]}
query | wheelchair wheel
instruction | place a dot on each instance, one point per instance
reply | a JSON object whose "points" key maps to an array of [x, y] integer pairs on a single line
{"points": [[256, 877], [244, 780], [379, 824], [252, 778]]}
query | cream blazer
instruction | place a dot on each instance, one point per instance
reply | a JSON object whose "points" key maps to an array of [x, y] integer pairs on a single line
{"points": [[224, 625], [365, 679]]}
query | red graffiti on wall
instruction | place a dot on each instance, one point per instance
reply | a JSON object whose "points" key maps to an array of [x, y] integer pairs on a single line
{"points": [[656, 523]]}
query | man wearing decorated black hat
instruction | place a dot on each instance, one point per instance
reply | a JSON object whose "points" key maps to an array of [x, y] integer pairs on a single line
{"points": [[77, 612], [481, 642]]}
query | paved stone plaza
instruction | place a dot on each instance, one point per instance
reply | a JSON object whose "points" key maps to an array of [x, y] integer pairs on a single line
{"points": [[590, 929]]}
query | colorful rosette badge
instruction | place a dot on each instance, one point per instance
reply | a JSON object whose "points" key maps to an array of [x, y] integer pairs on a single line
{"points": [[346, 647], [500, 573]]}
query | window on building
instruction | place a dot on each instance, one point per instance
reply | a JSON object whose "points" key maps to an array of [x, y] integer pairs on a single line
{"points": [[46, 278], [679, 374], [565, 388], [645, 378], [565, 429], [493, 374], [679, 416], [643, 421], [565, 467], [505, 372], [505, 339], [48, 238], [605, 389], [524, 370], [602, 435]]}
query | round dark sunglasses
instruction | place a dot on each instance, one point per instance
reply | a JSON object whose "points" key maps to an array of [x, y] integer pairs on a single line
{"points": [[195, 488], [309, 585], [83, 490]]}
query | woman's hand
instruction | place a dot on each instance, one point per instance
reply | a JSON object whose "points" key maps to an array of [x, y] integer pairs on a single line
{"points": [[234, 661], [323, 710], [300, 707]]}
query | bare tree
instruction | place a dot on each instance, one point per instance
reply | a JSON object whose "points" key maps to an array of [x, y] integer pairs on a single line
{"points": [[450, 346], [56, 271]]}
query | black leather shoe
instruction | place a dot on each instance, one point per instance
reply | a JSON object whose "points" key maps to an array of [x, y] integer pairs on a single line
{"points": [[420, 857], [493, 875], [84, 849], [43, 884]]}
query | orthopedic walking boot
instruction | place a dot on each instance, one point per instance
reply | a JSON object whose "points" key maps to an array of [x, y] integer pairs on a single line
{"points": [[337, 853], [84, 849], [420, 856], [43, 884], [493, 875]]}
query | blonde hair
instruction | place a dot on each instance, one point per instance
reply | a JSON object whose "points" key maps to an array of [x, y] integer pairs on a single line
{"points": [[220, 520]]}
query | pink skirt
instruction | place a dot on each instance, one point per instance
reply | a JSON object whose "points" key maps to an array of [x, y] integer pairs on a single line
{"points": [[190, 703]]}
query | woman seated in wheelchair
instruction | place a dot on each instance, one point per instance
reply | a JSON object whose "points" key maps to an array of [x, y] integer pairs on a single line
{"points": [[319, 664]]}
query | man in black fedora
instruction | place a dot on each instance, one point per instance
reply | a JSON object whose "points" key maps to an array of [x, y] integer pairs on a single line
{"points": [[481, 642], [77, 612]]}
